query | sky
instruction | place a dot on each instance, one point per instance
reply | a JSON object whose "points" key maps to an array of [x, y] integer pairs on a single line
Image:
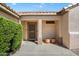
{"points": [[55, 7]]}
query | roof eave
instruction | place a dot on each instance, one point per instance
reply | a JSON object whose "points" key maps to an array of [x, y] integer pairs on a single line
{"points": [[63, 11], [7, 9], [37, 13]]}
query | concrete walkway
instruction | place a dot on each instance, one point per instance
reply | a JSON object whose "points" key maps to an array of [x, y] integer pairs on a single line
{"points": [[32, 49]]}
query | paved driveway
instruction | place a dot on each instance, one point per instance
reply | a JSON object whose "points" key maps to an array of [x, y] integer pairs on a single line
{"points": [[32, 49]]}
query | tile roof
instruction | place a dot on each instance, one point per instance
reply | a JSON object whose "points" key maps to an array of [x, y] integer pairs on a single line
{"points": [[8, 9], [64, 10]]}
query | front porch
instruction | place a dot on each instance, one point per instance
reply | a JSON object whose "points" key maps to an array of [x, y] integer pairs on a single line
{"points": [[40, 30]]}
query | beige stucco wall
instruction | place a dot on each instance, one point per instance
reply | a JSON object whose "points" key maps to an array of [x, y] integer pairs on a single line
{"points": [[65, 30], [25, 28], [49, 30], [4, 14], [25, 18], [74, 27]]}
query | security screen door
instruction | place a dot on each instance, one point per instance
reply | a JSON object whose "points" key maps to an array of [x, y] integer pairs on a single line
{"points": [[32, 29]]}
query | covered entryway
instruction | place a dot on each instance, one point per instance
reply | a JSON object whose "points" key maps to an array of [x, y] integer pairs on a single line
{"points": [[41, 26]]}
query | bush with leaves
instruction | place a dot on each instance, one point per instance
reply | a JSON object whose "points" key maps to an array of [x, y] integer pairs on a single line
{"points": [[10, 36]]}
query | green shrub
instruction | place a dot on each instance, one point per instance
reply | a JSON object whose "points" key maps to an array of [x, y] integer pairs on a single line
{"points": [[10, 36], [16, 41]]}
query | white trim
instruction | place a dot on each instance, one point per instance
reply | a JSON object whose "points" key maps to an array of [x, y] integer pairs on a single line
{"points": [[74, 32]]}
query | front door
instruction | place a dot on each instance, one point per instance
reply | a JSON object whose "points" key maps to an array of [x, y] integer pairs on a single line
{"points": [[32, 29]]}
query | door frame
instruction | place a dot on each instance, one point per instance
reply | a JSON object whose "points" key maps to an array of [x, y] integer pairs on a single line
{"points": [[35, 30]]}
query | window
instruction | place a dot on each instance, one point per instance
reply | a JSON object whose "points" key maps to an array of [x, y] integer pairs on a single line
{"points": [[50, 22]]}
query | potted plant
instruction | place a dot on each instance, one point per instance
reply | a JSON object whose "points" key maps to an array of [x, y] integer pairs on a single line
{"points": [[47, 40], [53, 41]]}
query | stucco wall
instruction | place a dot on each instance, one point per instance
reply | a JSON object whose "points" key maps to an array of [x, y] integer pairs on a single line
{"points": [[25, 30], [2, 13], [23, 18], [58, 31], [65, 30], [48, 30], [74, 27]]}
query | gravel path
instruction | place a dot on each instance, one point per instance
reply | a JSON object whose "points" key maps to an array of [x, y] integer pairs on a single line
{"points": [[32, 49]]}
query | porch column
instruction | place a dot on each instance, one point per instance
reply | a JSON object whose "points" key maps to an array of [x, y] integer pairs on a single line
{"points": [[19, 20], [40, 31]]}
